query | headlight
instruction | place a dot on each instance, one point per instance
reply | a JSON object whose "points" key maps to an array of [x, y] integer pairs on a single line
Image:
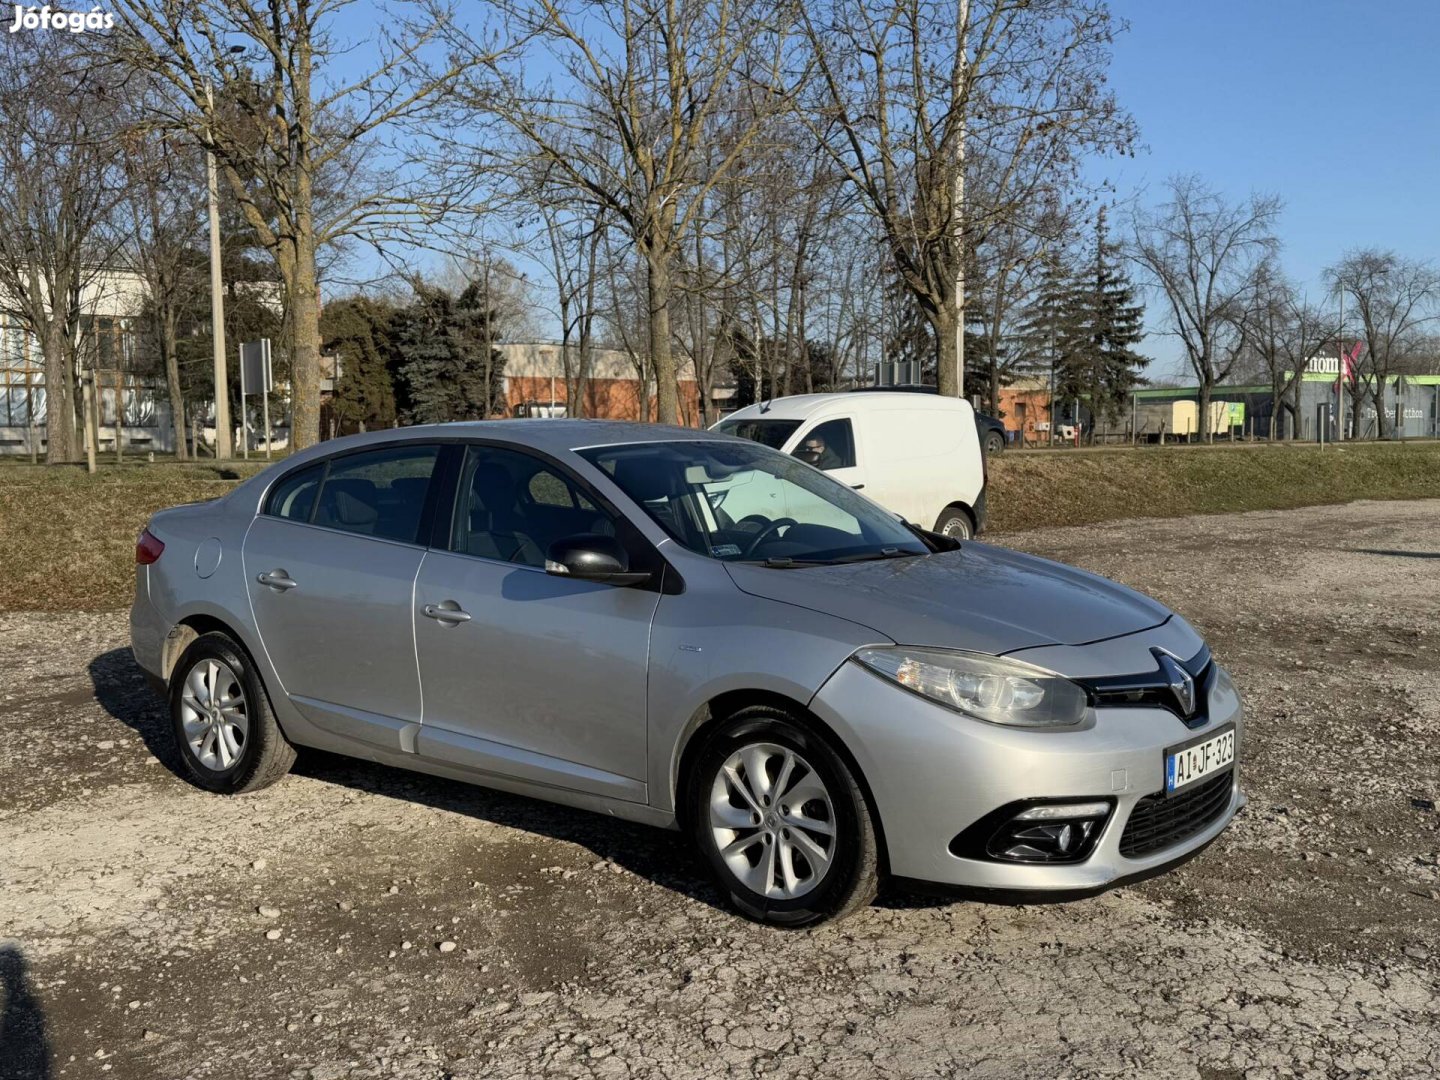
{"points": [[989, 688]]}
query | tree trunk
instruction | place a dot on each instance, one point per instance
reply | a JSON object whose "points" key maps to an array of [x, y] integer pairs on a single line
{"points": [[662, 360], [1204, 419], [305, 348], [59, 396], [169, 353], [949, 357]]}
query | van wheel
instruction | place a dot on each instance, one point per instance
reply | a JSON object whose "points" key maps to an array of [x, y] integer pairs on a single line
{"points": [[224, 728], [955, 523], [782, 821]]}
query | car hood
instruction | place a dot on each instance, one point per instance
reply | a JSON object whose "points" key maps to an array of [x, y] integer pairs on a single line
{"points": [[980, 598]]}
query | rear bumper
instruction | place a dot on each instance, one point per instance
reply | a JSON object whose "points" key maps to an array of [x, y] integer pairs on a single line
{"points": [[147, 631]]}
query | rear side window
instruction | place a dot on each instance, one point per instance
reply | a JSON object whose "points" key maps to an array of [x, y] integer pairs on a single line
{"points": [[377, 493], [294, 496]]}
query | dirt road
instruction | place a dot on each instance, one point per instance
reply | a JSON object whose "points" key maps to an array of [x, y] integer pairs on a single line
{"points": [[356, 921]]}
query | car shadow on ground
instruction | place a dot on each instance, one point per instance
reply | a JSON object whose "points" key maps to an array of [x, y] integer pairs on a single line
{"points": [[24, 1045], [663, 857]]}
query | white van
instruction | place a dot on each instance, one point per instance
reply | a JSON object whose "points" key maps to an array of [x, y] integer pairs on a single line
{"points": [[917, 455]]}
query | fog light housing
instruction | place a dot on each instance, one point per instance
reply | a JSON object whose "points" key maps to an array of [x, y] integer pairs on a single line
{"points": [[1036, 831]]}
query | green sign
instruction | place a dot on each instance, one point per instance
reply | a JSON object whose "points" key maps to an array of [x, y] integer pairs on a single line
{"points": [[1237, 414]]}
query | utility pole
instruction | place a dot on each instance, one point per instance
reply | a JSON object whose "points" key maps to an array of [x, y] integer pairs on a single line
{"points": [[1340, 373], [223, 447]]}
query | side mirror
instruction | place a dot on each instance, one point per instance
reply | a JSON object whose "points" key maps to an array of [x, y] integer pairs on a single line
{"points": [[592, 557]]}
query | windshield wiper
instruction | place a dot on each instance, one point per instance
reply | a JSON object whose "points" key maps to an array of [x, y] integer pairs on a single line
{"points": [[875, 556]]}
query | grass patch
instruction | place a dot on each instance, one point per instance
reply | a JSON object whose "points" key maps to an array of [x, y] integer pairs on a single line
{"points": [[68, 537], [1029, 490]]}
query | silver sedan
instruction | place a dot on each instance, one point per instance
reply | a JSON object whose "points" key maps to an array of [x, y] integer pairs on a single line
{"points": [[695, 632]]}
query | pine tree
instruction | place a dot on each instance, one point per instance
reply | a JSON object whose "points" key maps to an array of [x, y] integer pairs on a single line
{"points": [[450, 366], [1101, 367], [358, 331], [1052, 326]]}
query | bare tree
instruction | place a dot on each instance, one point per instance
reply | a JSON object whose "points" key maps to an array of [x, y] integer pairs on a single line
{"points": [[913, 95], [571, 249], [1283, 332], [641, 86], [164, 212], [1395, 297], [1200, 252], [59, 156], [288, 129]]}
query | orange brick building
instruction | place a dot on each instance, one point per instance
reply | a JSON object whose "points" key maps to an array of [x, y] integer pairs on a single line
{"points": [[1025, 407], [535, 385]]}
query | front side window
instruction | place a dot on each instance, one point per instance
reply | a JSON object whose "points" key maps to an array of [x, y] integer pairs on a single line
{"points": [[748, 503], [827, 446], [771, 433], [512, 507], [377, 493]]}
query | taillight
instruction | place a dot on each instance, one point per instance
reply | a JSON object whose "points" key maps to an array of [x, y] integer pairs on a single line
{"points": [[148, 548]]}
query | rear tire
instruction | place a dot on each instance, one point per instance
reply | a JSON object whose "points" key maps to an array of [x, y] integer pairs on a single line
{"points": [[782, 821], [955, 523], [994, 442], [220, 715]]}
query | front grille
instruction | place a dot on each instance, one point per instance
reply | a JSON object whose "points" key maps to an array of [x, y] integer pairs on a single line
{"points": [[1158, 822]]}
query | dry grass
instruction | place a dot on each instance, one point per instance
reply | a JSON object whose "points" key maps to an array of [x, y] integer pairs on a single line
{"points": [[68, 538], [1029, 490]]}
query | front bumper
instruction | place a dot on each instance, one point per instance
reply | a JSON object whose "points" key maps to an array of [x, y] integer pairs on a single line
{"points": [[932, 773]]}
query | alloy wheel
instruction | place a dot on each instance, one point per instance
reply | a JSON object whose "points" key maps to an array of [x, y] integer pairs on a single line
{"points": [[773, 821], [214, 715]]}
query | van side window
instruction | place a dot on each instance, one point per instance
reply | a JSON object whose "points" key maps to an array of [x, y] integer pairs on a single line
{"points": [[830, 445]]}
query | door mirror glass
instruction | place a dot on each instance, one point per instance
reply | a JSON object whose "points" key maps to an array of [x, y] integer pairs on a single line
{"points": [[592, 557]]}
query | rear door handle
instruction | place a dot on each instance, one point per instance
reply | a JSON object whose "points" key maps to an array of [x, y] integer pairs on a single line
{"points": [[278, 580], [856, 487], [441, 613]]}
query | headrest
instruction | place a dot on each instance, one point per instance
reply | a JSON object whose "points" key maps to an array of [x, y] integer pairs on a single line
{"points": [[645, 479], [349, 501]]}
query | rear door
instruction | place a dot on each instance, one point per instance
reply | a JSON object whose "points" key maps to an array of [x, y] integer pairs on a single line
{"points": [[526, 674], [331, 564]]}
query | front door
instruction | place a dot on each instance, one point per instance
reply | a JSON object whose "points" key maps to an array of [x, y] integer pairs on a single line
{"points": [[330, 565], [526, 674]]}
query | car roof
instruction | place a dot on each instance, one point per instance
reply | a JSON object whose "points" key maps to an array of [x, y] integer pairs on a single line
{"points": [[801, 406], [554, 436]]}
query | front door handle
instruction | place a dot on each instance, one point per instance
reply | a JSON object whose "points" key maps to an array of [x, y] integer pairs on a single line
{"points": [[446, 614], [278, 580]]}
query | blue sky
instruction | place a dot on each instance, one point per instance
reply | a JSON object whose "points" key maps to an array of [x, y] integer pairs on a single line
{"points": [[1333, 106]]}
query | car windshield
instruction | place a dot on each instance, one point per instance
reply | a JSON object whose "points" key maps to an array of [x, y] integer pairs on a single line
{"points": [[771, 433], [744, 502]]}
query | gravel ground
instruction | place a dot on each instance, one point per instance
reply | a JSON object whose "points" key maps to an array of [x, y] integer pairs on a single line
{"points": [[356, 921]]}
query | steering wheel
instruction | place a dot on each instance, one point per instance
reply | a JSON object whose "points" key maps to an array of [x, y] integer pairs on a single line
{"points": [[765, 533]]}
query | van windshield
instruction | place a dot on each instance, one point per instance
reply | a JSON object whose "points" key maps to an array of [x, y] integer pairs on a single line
{"points": [[771, 433], [745, 503]]}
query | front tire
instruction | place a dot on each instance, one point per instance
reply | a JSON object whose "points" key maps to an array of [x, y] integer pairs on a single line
{"points": [[994, 442], [221, 718], [782, 821], [955, 523]]}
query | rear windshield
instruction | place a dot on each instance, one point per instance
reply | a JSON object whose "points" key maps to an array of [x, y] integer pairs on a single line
{"points": [[771, 433]]}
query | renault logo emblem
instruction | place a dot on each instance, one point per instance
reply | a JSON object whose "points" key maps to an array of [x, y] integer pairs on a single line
{"points": [[1179, 682]]}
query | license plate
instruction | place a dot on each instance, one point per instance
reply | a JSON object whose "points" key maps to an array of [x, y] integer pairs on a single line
{"points": [[1189, 764]]}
